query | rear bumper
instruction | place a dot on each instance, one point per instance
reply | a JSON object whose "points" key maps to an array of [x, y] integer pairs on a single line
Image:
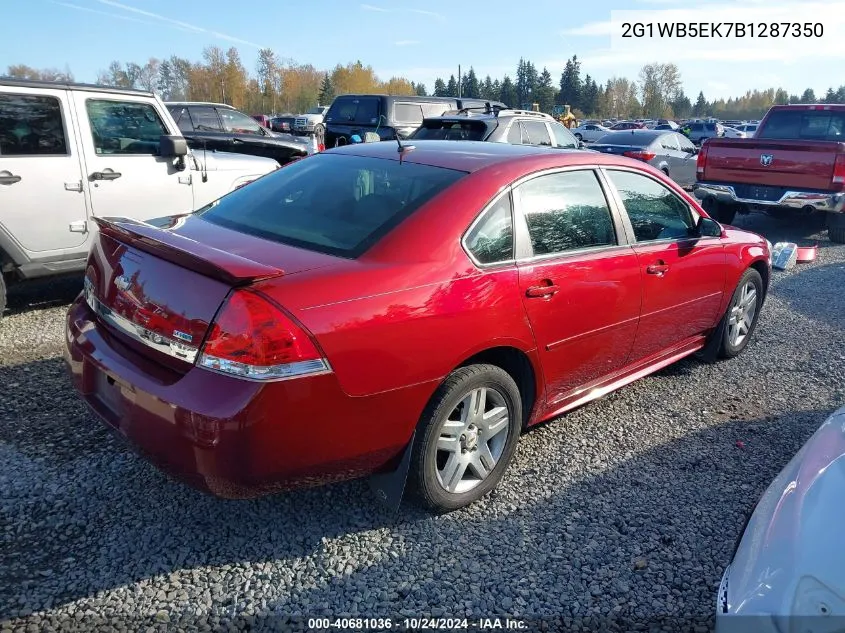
{"points": [[230, 437], [821, 200]]}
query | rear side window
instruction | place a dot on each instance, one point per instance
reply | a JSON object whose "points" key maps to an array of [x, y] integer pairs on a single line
{"points": [[31, 125], [238, 123], [437, 129], [515, 135], [205, 119], [407, 113], [434, 109], [564, 138], [336, 204], [812, 125], [124, 127], [182, 117], [538, 133], [491, 239], [361, 110], [566, 211]]}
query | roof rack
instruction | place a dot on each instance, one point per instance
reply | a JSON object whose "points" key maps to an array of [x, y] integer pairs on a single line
{"points": [[541, 115], [487, 108]]}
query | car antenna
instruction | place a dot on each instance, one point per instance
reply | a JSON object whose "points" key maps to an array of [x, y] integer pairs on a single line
{"points": [[402, 149], [204, 160]]}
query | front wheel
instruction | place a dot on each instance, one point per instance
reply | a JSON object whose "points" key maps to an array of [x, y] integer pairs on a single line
{"points": [[467, 437], [743, 313], [579, 137]]}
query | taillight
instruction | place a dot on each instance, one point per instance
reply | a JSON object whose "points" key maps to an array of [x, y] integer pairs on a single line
{"points": [[645, 156], [253, 338], [702, 158], [839, 172]]}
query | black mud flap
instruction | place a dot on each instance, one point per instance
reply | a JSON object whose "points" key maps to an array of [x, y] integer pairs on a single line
{"points": [[388, 487], [710, 352]]}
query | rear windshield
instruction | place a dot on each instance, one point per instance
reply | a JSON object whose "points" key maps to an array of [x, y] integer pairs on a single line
{"points": [[451, 130], [811, 125], [628, 140], [360, 110], [336, 204]]}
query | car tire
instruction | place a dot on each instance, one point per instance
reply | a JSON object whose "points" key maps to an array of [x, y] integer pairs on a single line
{"points": [[739, 322], [836, 234], [2, 295], [722, 212], [579, 137], [455, 448]]}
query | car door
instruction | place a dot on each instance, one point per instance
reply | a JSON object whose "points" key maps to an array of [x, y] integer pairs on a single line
{"points": [[43, 202], [120, 135], [683, 275], [579, 279], [689, 159]]}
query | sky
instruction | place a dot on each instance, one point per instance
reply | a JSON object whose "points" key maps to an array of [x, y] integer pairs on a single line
{"points": [[423, 40]]}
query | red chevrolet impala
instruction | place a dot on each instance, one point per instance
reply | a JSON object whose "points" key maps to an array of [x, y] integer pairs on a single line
{"points": [[367, 307]]}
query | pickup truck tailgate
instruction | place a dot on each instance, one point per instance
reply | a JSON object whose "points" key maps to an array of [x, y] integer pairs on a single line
{"points": [[795, 164]]}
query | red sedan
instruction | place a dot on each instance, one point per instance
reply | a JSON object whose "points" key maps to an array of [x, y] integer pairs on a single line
{"points": [[365, 305]]}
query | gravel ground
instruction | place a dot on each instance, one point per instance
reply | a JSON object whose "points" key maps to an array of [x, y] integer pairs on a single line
{"points": [[627, 508]]}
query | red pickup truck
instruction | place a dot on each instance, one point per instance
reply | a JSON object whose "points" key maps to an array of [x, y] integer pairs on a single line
{"points": [[794, 164]]}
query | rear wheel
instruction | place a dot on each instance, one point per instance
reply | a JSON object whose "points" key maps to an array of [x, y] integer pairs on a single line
{"points": [[740, 320], [836, 227], [2, 295], [467, 437]]}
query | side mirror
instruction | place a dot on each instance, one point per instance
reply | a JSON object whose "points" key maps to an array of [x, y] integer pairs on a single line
{"points": [[708, 227], [172, 146]]}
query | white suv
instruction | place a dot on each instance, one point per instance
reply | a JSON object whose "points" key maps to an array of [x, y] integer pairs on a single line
{"points": [[72, 152]]}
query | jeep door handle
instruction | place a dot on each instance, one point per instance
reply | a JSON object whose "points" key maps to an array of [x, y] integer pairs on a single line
{"points": [[541, 291], [106, 175], [8, 178]]}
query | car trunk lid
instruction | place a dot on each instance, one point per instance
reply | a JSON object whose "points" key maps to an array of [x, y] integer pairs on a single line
{"points": [[160, 290], [797, 164]]}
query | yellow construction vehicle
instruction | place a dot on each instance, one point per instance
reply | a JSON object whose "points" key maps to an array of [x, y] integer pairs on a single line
{"points": [[567, 118]]}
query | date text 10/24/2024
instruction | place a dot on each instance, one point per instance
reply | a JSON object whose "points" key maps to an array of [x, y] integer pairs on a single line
{"points": [[417, 624]]}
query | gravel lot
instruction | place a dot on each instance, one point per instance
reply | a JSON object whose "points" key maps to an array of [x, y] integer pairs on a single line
{"points": [[627, 508]]}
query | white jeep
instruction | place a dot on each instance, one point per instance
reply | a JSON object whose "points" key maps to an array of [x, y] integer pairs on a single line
{"points": [[72, 152]]}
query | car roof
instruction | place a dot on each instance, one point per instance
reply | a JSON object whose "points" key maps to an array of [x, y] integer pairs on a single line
{"points": [[641, 136], [71, 85], [199, 103], [472, 156]]}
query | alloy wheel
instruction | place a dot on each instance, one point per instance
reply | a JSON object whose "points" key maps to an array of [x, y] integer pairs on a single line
{"points": [[742, 314]]}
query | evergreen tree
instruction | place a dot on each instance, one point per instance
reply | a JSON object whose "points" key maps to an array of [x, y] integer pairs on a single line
{"points": [[487, 89], [781, 97], [440, 89], [452, 87], [809, 96], [701, 106], [507, 93], [544, 94], [570, 83], [420, 90], [470, 87], [326, 94]]}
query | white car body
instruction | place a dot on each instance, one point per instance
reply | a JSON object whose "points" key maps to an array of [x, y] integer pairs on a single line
{"points": [[748, 129], [46, 214], [589, 132], [732, 132]]}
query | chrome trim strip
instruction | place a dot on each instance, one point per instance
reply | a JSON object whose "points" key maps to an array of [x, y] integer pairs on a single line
{"points": [[273, 373], [171, 347], [824, 201]]}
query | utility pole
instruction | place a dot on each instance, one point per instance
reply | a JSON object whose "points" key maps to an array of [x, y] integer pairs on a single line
{"points": [[459, 81]]}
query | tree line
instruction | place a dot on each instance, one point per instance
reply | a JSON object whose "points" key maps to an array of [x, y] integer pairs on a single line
{"points": [[279, 85]]}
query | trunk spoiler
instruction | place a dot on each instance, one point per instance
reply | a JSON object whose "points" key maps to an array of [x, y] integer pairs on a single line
{"points": [[212, 262]]}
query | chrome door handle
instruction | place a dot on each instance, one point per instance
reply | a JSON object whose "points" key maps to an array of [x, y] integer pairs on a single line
{"points": [[106, 175], [8, 178]]}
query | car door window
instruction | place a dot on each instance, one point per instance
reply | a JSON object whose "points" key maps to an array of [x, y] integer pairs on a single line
{"points": [[31, 125], [538, 133], [515, 134], [238, 123], [685, 144], [491, 239], [655, 212], [566, 211], [182, 117], [563, 137], [205, 119], [410, 113], [668, 141], [124, 127]]}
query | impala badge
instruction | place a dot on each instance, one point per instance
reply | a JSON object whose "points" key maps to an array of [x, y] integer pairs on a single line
{"points": [[183, 336], [766, 159]]}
